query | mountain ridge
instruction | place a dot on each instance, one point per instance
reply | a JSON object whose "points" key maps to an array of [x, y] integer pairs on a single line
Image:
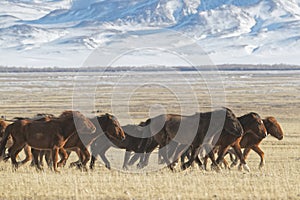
{"points": [[230, 31]]}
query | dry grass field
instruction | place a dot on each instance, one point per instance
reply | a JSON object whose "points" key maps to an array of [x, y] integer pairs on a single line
{"points": [[275, 93]]}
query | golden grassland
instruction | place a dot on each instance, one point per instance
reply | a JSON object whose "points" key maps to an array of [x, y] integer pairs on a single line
{"points": [[268, 93]]}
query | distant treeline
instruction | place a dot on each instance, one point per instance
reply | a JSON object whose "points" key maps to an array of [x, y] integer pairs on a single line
{"points": [[148, 68]]}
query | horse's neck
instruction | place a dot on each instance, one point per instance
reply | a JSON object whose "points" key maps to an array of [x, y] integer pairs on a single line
{"points": [[67, 129], [100, 123], [118, 143], [245, 123]]}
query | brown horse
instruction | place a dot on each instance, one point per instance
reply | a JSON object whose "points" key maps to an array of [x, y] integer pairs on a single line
{"points": [[38, 117], [252, 125], [50, 135], [105, 125], [251, 141], [3, 125]]}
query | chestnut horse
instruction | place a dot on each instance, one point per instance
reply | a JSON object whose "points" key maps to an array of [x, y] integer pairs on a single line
{"points": [[251, 141], [38, 117], [50, 135], [105, 125]]}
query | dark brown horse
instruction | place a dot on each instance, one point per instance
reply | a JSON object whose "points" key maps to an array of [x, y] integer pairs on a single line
{"points": [[134, 141], [175, 133], [105, 125], [219, 127], [251, 141], [252, 125], [49, 135]]}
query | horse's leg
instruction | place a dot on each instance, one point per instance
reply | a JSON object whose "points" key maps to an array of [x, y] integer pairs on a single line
{"points": [[27, 151], [86, 156], [41, 161], [245, 153], [55, 158], [261, 154], [164, 154], [215, 163], [103, 157], [92, 162], [126, 158], [133, 159], [179, 151], [237, 149], [221, 153], [234, 160], [35, 154], [81, 157], [160, 158], [14, 151], [95, 151], [194, 154], [226, 165], [48, 158], [145, 160], [64, 157]]}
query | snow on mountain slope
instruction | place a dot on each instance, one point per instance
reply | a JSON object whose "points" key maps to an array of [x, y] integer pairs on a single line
{"points": [[65, 32]]}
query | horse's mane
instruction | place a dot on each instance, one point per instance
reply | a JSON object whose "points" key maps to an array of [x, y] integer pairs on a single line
{"points": [[146, 123], [271, 119], [108, 115], [245, 119], [67, 114]]}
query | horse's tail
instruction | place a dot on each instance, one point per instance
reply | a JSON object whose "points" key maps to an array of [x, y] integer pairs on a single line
{"points": [[4, 140]]}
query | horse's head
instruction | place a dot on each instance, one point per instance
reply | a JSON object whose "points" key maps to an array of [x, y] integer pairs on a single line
{"points": [[111, 126], [82, 123], [273, 127], [252, 122]]}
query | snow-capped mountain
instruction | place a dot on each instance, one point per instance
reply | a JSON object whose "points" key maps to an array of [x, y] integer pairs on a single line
{"points": [[66, 32]]}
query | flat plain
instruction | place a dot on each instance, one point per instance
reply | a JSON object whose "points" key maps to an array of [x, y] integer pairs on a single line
{"points": [[133, 97]]}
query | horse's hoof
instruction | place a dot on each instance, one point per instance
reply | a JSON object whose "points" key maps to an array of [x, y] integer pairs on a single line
{"points": [[79, 165], [172, 168], [215, 168], [39, 169], [184, 166], [246, 167], [6, 158], [84, 169], [140, 165], [108, 166], [161, 161], [261, 165], [60, 164], [233, 165], [240, 167], [125, 168], [202, 167]]}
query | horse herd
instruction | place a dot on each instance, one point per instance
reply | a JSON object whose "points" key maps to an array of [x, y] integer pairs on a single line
{"points": [[176, 137]]}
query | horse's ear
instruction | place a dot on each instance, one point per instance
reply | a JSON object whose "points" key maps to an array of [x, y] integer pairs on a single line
{"points": [[269, 119]]}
